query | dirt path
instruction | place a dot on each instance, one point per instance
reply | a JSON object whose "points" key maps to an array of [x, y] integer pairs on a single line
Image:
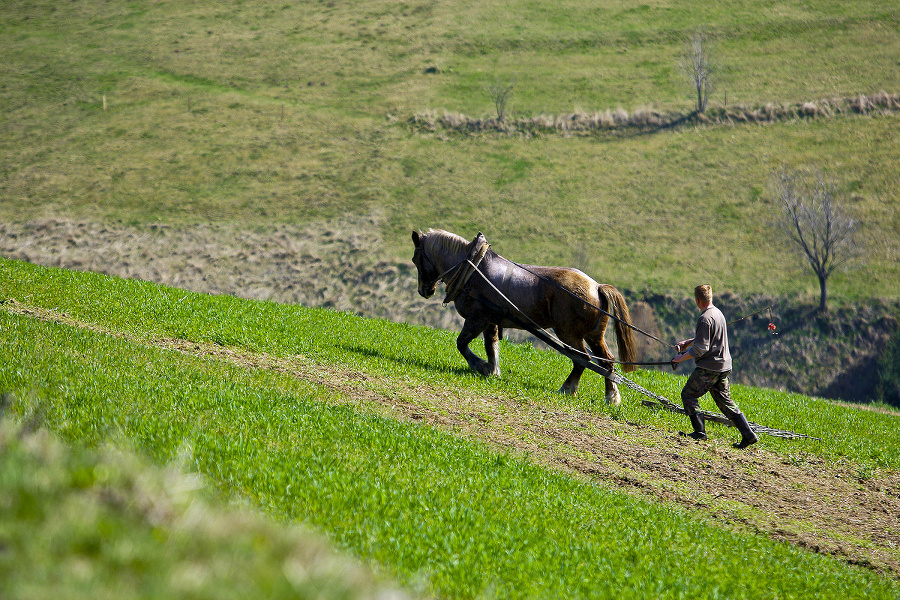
{"points": [[803, 501]]}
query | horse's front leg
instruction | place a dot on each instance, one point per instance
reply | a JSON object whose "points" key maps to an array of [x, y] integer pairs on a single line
{"points": [[472, 328], [492, 348]]}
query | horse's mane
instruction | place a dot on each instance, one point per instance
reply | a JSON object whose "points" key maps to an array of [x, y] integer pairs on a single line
{"points": [[443, 243]]}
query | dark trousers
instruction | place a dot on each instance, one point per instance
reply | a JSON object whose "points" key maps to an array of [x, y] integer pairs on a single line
{"points": [[716, 383]]}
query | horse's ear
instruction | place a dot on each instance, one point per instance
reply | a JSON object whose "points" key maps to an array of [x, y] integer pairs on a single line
{"points": [[415, 238]]}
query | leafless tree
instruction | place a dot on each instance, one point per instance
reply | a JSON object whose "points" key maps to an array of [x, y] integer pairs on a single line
{"points": [[815, 222], [500, 92], [697, 65]]}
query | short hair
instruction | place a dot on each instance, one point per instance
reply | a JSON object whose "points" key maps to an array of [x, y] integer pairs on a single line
{"points": [[703, 293]]}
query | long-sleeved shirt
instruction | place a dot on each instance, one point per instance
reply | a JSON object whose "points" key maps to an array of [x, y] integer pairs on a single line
{"points": [[710, 349]]}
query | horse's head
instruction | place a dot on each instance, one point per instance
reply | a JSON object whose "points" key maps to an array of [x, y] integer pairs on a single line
{"points": [[427, 269]]}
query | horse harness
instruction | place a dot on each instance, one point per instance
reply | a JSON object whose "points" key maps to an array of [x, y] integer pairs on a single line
{"points": [[477, 251], [454, 284]]}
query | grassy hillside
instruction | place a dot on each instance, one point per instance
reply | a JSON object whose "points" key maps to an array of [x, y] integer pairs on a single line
{"points": [[262, 115], [374, 433]]}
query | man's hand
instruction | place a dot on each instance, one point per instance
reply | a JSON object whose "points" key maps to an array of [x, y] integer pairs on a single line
{"points": [[684, 345], [681, 358]]}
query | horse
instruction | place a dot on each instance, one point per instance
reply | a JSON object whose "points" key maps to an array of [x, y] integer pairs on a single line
{"points": [[559, 298]]}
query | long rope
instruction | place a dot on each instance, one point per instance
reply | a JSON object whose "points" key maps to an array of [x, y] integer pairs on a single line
{"points": [[478, 252]]}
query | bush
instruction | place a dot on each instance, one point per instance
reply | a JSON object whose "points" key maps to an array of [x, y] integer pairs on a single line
{"points": [[888, 386]]}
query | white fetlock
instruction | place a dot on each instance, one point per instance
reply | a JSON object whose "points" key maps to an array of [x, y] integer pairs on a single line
{"points": [[614, 398]]}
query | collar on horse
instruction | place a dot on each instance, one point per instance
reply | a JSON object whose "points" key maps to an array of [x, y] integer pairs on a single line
{"points": [[465, 268]]}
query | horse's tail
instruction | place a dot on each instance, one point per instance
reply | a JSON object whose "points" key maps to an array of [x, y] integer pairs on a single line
{"points": [[615, 302]]}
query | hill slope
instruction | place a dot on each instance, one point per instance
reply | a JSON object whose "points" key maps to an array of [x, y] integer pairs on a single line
{"points": [[161, 367]]}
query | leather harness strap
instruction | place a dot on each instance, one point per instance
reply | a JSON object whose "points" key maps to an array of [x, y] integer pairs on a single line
{"points": [[478, 250]]}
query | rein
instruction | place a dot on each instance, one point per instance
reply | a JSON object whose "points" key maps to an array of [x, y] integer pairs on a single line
{"points": [[638, 329], [547, 333], [574, 353]]}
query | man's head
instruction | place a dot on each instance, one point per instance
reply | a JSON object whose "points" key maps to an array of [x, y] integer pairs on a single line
{"points": [[703, 295]]}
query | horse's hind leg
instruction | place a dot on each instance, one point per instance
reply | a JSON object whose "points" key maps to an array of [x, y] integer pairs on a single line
{"points": [[570, 385], [601, 350], [472, 328]]}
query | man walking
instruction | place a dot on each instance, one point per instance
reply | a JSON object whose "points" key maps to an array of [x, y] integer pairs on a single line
{"points": [[709, 349]]}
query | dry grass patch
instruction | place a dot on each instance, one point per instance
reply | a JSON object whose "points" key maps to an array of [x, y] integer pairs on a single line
{"points": [[650, 119]]}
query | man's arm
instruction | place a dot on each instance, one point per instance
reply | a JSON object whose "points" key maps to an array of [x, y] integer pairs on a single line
{"points": [[681, 348], [702, 340]]}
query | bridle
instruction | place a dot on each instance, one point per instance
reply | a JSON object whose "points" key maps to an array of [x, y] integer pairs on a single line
{"points": [[421, 254], [418, 256], [461, 271]]}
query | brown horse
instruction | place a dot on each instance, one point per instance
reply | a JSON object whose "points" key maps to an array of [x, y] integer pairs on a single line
{"points": [[555, 298]]}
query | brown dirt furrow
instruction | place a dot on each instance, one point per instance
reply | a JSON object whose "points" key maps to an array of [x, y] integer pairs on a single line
{"points": [[808, 502]]}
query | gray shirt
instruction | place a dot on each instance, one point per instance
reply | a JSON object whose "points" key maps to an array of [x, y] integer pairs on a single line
{"points": [[710, 349]]}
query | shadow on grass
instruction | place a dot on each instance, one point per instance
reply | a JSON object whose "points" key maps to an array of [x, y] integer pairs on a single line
{"points": [[424, 365], [462, 371]]}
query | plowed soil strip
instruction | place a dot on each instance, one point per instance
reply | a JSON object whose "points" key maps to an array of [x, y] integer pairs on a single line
{"points": [[807, 501]]}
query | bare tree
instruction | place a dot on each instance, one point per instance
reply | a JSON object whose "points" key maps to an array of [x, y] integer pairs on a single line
{"points": [[813, 219], [500, 92], [697, 65]]}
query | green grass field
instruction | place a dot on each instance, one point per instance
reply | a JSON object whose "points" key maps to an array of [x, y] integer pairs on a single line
{"points": [[397, 351], [261, 114], [440, 512]]}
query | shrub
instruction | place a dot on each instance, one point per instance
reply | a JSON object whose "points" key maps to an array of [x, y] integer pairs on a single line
{"points": [[888, 387]]}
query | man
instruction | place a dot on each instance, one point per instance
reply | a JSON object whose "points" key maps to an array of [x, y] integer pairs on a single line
{"points": [[709, 349]]}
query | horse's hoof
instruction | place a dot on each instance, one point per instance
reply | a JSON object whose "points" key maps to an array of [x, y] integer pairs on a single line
{"points": [[488, 371], [614, 399]]}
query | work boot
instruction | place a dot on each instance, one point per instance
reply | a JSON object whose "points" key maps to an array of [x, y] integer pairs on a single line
{"points": [[748, 437], [699, 432]]}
